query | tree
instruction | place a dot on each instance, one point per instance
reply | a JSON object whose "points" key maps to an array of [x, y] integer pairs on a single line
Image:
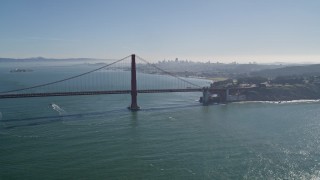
{"points": [[252, 80]]}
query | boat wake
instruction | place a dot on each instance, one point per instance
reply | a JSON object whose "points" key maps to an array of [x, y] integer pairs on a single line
{"points": [[57, 108]]}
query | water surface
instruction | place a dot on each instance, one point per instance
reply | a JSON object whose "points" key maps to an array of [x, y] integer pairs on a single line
{"points": [[172, 137]]}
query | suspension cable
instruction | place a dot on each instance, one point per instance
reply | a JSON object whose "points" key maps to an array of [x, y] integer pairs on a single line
{"points": [[173, 75], [66, 79]]}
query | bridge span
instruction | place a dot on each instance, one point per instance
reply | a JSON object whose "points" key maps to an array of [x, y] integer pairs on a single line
{"points": [[134, 91], [86, 93]]}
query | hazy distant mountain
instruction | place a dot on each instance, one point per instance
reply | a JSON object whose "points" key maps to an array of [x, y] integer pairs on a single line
{"points": [[290, 71], [205, 69], [42, 59], [231, 68]]}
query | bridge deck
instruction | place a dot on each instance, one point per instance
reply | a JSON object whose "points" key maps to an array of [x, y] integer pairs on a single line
{"points": [[83, 93]]}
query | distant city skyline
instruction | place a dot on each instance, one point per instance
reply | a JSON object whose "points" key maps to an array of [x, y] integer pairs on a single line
{"points": [[216, 30]]}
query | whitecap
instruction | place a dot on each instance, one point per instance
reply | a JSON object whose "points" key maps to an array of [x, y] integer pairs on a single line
{"points": [[282, 102]]}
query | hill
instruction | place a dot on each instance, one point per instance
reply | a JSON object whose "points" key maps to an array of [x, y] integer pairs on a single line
{"points": [[307, 70]]}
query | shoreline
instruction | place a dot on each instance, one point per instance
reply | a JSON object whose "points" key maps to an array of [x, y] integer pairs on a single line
{"points": [[281, 102], [284, 93]]}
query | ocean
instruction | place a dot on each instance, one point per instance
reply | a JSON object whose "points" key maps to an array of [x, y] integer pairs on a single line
{"points": [[172, 137]]}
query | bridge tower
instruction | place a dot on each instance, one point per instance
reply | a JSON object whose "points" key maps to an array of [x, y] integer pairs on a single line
{"points": [[134, 104]]}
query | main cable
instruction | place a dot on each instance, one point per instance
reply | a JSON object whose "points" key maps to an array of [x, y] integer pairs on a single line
{"points": [[66, 79], [173, 75]]}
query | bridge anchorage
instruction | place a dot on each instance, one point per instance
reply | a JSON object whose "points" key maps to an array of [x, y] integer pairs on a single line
{"points": [[213, 95]]}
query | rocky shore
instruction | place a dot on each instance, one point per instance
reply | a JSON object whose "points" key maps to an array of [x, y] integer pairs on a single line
{"points": [[284, 93]]}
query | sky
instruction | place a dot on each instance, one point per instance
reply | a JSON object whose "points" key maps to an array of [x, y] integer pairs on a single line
{"points": [[259, 31]]}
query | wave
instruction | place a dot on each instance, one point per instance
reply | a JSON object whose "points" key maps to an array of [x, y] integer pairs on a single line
{"points": [[169, 107], [282, 102], [66, 116], [78, 118]]}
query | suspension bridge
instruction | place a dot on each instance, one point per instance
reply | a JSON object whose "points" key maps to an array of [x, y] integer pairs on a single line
{"points": [[113, 78], [104, 85]]}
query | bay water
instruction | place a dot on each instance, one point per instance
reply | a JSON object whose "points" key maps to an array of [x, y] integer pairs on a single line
{"points": [[172, 137]]}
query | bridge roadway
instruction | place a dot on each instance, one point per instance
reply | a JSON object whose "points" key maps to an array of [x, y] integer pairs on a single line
{"points": [[82, 93], [86, 93]]}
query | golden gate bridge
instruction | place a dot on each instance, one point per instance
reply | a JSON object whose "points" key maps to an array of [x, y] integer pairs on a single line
{"points": [[84, 85]]}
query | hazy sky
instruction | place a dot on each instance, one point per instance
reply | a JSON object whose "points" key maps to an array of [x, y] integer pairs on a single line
{"points": [[216, 30]]}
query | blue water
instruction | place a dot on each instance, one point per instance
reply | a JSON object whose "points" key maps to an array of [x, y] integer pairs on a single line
{"points": [[172, 137]]}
